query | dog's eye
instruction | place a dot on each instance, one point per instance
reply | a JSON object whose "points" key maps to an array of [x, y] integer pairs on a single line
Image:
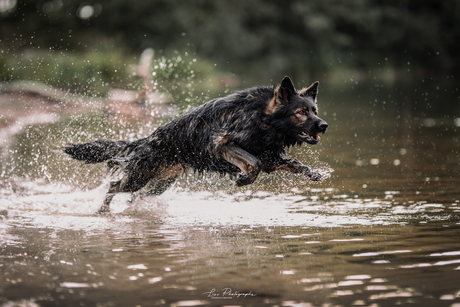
{"points": [[302, 112]]}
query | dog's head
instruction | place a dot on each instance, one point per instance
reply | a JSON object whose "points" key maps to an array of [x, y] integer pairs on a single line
{"points": [[295, 114]]}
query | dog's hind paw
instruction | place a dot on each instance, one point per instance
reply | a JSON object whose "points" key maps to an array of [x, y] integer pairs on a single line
{"points": [[103, 209]]}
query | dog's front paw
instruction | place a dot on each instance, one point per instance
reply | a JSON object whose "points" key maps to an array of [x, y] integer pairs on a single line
{"points": [[243, 180], [313, 174]]}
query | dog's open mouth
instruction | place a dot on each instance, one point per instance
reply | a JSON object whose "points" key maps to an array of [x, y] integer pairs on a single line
{"points": [[310, 138]]}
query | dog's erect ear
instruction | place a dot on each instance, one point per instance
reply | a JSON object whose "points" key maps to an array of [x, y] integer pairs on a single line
{"points": [[286, 90], [282, 95], [311, 91]]}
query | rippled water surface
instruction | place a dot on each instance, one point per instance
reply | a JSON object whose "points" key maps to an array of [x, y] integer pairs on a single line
{"points": [[382, 230]]}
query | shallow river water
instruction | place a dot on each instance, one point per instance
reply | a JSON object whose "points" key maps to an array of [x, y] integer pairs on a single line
{"points": [[382, 230]]}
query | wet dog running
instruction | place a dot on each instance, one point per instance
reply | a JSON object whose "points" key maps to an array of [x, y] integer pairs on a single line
{"points": [[241, 135]]}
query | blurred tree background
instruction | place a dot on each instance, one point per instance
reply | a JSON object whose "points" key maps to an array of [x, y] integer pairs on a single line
{"points": [[258, 40]]}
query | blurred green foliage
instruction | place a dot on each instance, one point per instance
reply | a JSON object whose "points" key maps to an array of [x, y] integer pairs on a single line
{"points": [[95, 71], [261, 39], [90, 72]]}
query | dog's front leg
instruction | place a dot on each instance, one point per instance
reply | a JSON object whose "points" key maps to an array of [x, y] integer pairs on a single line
{"points": [[296, 167], [246, 162]]}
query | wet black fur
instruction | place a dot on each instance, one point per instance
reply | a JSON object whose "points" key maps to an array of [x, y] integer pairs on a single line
{"points": [[240, 134]]}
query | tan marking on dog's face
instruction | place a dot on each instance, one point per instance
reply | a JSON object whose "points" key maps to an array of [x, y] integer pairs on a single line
{"points": [[300, 116]]}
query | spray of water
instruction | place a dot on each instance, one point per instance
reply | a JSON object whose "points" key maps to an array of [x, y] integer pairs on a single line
{"points": [[37, 177]]}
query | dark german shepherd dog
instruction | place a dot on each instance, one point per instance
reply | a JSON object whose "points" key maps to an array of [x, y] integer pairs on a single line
{"points": [[243, 133]]}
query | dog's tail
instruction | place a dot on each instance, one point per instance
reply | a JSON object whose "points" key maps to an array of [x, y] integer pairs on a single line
{"points": [[99, 151]]}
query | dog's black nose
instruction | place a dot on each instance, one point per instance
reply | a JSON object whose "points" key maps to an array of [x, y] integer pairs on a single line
{"points": [[322, 126]]}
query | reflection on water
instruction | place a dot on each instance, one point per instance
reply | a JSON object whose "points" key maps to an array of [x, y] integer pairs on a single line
{"points": [[381, 231], [141, 263]]}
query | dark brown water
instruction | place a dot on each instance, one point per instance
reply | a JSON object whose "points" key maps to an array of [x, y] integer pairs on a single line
{"points": [[382, 230]]}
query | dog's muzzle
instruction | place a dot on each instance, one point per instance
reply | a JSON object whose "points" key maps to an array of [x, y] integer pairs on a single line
{"points": [[312, 137]]}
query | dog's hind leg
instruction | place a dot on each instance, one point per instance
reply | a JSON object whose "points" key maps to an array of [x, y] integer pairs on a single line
{"points": [[166, 176], [106, 205], [158, 187], [113, 189], [126, 184], [155, 182]]}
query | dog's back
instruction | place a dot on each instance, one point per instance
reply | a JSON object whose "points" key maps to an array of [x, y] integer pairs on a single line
{"points": [[194, 139]]}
